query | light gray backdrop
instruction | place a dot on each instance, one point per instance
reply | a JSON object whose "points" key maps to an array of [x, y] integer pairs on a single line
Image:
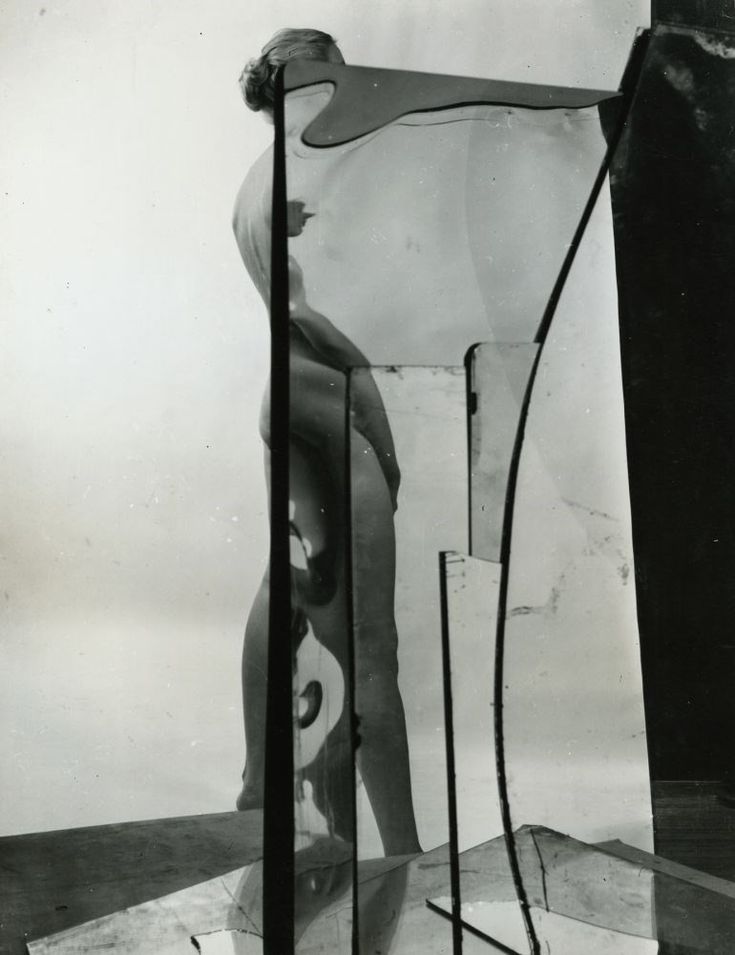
{"points": [[134, 355]]}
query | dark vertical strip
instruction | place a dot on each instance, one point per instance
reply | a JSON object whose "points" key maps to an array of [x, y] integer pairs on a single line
{"points": [[278, 815], [673, 190], [628, 86], [350, 637], [471, 404], [707, 15], [451, 773], [617, 161]]}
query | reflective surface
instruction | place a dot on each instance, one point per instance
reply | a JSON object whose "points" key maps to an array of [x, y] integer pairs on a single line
{"points": [[442, 229], [596, 898], [408, 245], [573, 696], [393, 913], [397, 615], [320, 627], [499, 377], [674, 205], [600, 896], [471, 608]]}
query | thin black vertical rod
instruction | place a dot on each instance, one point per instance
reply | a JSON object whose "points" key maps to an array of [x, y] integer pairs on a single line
{"points": [[471, 399], [451, 769], [628, 86], [278, 813], [350, 677]]}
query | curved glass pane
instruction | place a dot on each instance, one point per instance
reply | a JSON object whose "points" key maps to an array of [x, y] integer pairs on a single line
{"points": [[445, 227], [441, 220], [573, 701]]}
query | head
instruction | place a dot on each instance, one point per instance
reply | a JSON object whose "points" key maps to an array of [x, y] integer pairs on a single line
{"points": [[257, 80]]}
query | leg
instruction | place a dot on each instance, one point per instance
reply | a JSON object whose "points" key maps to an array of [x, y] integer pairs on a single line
{"points": [[314, 494], [317, 416], [317, 514], [254, 688], [318, 423], [383, 753], [254, 684]]}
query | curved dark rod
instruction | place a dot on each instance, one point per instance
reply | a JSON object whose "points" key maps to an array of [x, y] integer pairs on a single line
{"points": [[498, 722], [628, 87]]}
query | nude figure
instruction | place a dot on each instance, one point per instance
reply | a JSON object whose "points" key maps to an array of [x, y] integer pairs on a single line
{"points": [[320, 359]]}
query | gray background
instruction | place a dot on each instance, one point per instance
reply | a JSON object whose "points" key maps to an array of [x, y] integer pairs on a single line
{"points": [[134, 355]]}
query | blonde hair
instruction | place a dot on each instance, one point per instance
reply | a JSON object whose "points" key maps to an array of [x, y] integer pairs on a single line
{"points": [[257, 80]]}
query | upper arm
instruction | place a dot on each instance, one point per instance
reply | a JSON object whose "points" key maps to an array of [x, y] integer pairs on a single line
{"points": [[251, 223]]}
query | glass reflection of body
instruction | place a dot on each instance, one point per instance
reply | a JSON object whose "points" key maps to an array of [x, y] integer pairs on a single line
{"points": [[320, 357]]}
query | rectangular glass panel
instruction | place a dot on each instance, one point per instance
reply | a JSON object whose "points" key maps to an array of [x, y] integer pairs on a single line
{"points": [[320, 641], [499, 376], [472, 599], [614, 898], [485, 877], [442, 225], [407, 421]]}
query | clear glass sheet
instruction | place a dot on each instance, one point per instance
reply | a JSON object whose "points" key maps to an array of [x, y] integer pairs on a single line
{"points": [[412, 421], [393, 915], [499, 377], [497, 386], [611, 899], [471, 609], [320, 637], [575, 741], [442, 229], [471, 588], [489, 903], [586, 898], [158, 926], [408, 245]]}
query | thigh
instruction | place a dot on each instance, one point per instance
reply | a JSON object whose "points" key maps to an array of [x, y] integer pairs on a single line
{"points": [[317, 505], [316, 499], [318, 406], [318, 511], [373, 532]]}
